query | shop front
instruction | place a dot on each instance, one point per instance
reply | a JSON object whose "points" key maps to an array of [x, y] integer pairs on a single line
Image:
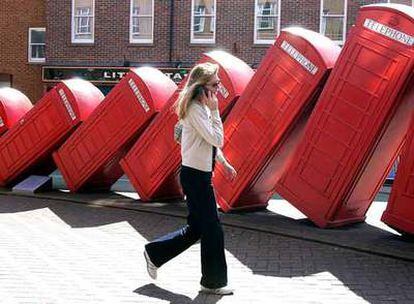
{"points": [[105, 78]]}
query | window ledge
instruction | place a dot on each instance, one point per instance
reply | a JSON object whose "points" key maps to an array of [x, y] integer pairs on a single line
{"points": [[83, 44], [262, 45], [202, 41], [139, 44], [201, 44], [37, 62]]}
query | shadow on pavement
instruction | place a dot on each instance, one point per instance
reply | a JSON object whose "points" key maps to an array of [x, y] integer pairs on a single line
{"points": [[263, 253], [153, 291]]}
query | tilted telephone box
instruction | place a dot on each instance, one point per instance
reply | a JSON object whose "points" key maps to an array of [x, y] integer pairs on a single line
{"points": [[13, 105], [89, 159], [28, 146], [357, 128], [266, 123], [400, 209]]}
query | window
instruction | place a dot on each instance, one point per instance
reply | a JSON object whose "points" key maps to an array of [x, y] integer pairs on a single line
{"points": [[203, 21], [36, 51], [333, 19], [83, 21], [5, 80], [267, 21], [142, 21]]}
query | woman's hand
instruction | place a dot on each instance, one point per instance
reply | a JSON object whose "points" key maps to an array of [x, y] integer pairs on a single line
{"points": [[229, 172], [211, 101]]}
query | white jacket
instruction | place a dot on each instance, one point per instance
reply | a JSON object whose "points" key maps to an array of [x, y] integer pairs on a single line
{"points": [[202, 129]]}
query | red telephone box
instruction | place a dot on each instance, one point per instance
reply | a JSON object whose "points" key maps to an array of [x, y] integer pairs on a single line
{"points": [[400, 209], [32, 140], [357, 128], [13, 105], [90, 157], [267, 121], [153, 162]]}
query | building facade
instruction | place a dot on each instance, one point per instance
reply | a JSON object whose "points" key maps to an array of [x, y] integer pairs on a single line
{"points": [[22, 45], [100, 39]]}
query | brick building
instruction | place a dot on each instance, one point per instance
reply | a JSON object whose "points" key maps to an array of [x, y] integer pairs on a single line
{"points": [[99, 39], [22, 25]]}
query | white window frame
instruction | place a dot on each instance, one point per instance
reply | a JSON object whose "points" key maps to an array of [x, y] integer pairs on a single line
{"points": [[340, 42], [212, 27], [256, 17], [30, 44], [131, 36], [412, 2], [77, 40]]}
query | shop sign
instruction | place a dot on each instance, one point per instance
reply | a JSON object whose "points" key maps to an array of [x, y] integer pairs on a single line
{"points": [[102, 74]]}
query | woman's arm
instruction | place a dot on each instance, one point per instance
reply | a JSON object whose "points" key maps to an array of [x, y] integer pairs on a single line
{"points": [[220, 156], [229, 170]]}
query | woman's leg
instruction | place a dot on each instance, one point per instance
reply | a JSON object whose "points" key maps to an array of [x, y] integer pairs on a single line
{"points": [[170, 245], [204, 218], [202, 221], [213, 260]]}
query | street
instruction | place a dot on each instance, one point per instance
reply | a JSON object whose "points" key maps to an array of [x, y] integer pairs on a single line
{"points": [[61, 252]]}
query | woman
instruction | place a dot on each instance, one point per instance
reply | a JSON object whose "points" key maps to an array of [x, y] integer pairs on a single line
{"points": [[201, 140]]}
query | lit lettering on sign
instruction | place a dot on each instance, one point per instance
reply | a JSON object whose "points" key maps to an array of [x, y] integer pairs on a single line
{"points": [[67, 104], [1, 122], [138, 94], [295, 54], [389, 32], [108, 75], [223, 91]]}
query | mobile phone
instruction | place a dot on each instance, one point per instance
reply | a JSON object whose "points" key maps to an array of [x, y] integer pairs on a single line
{"points": [[199, 90]]}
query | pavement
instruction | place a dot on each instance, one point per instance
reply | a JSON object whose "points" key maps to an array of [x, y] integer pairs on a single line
{"points": [[59, 247]]}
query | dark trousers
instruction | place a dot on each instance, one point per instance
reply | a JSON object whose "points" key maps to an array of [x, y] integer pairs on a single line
{"points": [[202, 223]]}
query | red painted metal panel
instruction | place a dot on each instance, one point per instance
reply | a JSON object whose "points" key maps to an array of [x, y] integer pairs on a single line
{"points": [[358, 126], [90, 157], [13, 105], [400, 209], [152, 164], [264, 126], [38, 133]]}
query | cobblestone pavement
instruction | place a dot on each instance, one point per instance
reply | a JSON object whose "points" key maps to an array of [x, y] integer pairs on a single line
{"points": [[60, 252]]}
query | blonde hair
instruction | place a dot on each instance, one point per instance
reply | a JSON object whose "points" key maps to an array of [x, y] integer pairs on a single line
{"points": [[199, 76]]}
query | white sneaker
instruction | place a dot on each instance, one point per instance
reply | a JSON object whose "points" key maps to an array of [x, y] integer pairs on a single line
{"points": [[222, 291], [151, 268]]}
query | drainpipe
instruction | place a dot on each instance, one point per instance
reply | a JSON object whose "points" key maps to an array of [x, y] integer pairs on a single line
{"points": [[170, 56]]}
